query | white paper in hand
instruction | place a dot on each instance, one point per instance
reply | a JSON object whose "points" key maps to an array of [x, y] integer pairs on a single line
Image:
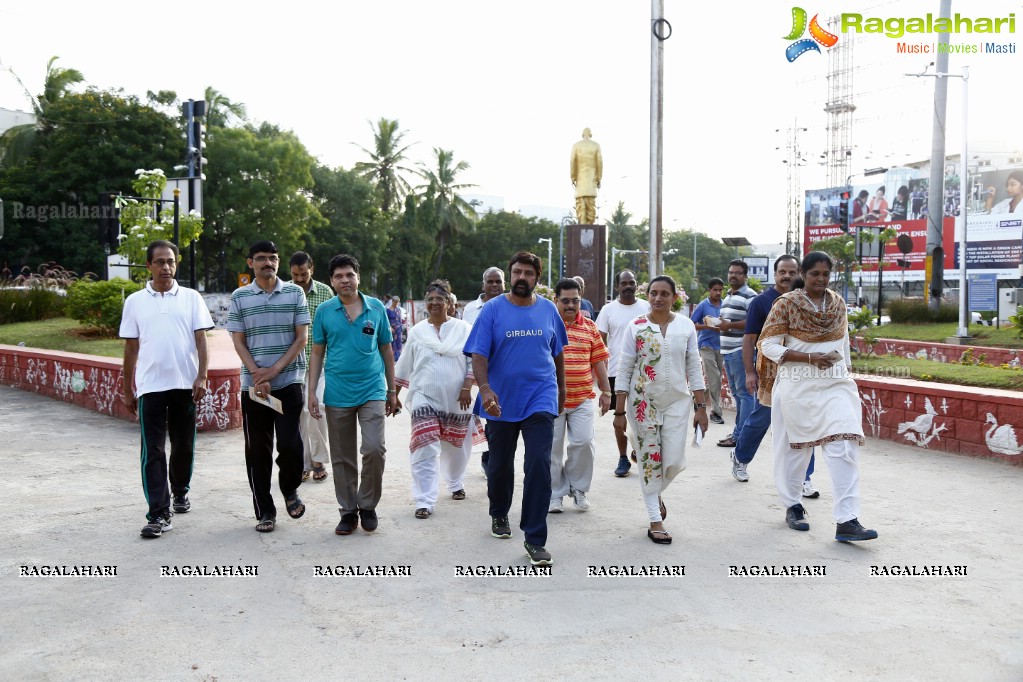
{"points": [[697, 436], [270, 401]]}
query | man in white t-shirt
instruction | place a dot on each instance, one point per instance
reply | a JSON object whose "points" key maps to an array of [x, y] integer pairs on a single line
{"points": [[493, 286], [165, 361], [612, 321]]}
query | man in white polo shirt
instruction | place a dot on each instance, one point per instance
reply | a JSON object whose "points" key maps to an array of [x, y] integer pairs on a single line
{"points": [[165, 360]]}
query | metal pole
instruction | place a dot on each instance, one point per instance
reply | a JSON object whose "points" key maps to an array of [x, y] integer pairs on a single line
{"points": [[964, 329], [936, 186], [177, 214], [659, 31], [696, 280], [611, 284]]}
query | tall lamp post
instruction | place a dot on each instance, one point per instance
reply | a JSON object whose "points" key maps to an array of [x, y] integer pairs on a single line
{"points": [[963, 332], [550, 245]]}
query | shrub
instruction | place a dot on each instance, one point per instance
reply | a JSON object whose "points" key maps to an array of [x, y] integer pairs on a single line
{"points": [[29, 304], [915, 311], [99, 304]]}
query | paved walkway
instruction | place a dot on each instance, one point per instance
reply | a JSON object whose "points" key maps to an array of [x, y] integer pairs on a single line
{"points": [[72, 496]]}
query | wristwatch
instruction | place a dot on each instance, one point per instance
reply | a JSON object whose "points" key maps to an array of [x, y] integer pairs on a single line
{"points": [[607, 393], [700, 406]]}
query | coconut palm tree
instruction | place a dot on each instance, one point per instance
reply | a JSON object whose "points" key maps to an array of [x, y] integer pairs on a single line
{"points": [[16, 143], [451, 212], [220, 109], [385, 168]]}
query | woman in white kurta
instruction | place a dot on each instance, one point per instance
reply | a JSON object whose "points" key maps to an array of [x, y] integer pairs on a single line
{"points": [[803, 369], [439, 377], [659, 374]]}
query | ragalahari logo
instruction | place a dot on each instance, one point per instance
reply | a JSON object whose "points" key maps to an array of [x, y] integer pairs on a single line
{"points": [[818, 35]]}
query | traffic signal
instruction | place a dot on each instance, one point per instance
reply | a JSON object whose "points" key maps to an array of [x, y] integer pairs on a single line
{"points": [[199, 140], [843, 211]]}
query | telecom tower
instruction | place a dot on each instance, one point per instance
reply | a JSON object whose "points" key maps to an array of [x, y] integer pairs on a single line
{"points": [[793, 160], [840, 107]]}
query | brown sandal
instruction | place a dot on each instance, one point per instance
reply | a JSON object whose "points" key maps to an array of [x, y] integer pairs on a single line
{"points": [[422, 513], [659, 537], [458, 495]]}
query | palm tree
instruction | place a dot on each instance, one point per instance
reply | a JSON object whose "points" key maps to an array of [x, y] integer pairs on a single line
{"points": [[451, 212], [220, 109], [16, 143], [383, 171]]}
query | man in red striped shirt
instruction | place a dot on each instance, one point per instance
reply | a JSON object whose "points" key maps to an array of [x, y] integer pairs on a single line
{"points": [[585, 358]]}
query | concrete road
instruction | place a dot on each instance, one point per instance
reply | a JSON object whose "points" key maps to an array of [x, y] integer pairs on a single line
{"points": [[72, 496]]}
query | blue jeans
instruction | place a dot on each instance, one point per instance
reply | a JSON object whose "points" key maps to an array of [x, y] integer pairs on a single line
{"points": [[736, 373], [537, 438], [752, 433]]}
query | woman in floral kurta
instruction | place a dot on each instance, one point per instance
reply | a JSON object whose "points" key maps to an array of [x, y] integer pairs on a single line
{"points": [[660, 374]]}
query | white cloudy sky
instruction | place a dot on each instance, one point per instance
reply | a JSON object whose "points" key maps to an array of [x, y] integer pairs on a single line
{"points": [[509, 86]]}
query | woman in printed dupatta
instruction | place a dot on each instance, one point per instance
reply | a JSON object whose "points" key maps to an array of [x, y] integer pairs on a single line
{"points": [[659, 374], [439, 377], [803, 366]]}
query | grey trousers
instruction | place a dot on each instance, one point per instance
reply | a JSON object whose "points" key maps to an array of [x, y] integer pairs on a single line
{"points": [[713, 367], [352, 492]]}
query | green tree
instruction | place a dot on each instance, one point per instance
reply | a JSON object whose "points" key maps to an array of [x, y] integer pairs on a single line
{"points": [[259, 187], [93, 142], [712, 259], [385, 169], [408, 262], [354, 223], [451, 214], [220, 110], [16, 143]]}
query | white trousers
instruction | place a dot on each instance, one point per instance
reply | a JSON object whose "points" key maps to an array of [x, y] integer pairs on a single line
{"points": [[314, 431], [842, 457], [574, 472], [453, 462], [652, 502]]}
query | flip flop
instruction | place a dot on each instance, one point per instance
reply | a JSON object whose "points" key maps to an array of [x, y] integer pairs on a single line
{"points": [[294, 502], [664, 510], [659, 537], [266, 524], [305, 475], [458, 495], [422, 513], [319, 473]]}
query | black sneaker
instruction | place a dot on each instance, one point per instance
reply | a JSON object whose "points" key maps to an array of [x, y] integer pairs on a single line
{"points": [[716, 419], [538, 556], [500, 528], [623, 467], [157, 527], [349, 522], [369, 519], [181, 504], [852, 531], [795, 516]]}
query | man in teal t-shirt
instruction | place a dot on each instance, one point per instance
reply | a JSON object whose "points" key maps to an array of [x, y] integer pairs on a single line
{"points": [[352, 346], [516, 348]]}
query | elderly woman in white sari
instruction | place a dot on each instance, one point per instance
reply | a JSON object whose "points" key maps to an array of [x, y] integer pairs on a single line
{"points": [[659, 375], [803, 367], [439, 378]]}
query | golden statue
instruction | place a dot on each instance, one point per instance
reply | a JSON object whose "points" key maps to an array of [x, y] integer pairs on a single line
{"points": [[587, 167]]}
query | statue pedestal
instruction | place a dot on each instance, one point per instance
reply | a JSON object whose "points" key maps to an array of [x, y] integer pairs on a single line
{"points": [[586, 256]]}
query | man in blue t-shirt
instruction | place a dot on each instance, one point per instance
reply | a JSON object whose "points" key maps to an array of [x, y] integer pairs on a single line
{"points": [[516, 348], [352, 346], [754, 427], [709, 340]]}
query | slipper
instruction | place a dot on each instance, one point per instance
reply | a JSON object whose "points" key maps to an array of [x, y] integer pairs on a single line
{"points": [[664, 510], [319, 473], [266, 524], [422, 513], [633, 457], [659, 537], [305, 475], [294, 502], [726, 442], [458, 495]]}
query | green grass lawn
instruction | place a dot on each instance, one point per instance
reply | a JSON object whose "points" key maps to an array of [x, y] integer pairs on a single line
{"points": [[946, 373], [60, 333], [984, 336]]}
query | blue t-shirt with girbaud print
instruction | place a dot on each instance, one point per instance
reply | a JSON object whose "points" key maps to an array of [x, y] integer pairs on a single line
{"points": [[520, 344]]}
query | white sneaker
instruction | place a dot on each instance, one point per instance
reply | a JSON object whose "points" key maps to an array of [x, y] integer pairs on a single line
{"points": [[809, 490], [738, 468], [556, 506], [581, 503]]}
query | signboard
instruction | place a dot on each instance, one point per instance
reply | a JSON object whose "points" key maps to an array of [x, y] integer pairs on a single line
{"points": [[244, 279], [983, 292], [759, 267]]}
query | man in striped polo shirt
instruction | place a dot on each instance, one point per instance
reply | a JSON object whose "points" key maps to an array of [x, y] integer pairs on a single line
{"points": [[269, 324], [585, 357], [733, 328]]}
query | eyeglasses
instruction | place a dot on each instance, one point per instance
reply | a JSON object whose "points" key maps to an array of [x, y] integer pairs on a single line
{"points": [[161, 262], [437, 300], [266, 259], [569, 301]]}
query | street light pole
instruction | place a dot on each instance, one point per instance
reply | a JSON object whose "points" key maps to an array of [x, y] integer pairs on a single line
{"points": [[550, 243]]}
